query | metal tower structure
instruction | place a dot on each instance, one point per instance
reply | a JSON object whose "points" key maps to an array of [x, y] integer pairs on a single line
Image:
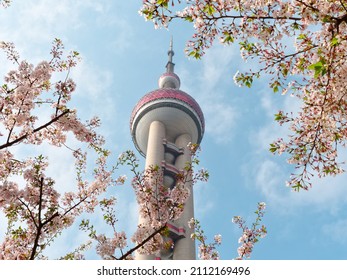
{"points": [[162, 124]]}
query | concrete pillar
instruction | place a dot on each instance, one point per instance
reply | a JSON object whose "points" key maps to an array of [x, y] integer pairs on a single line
{"points": [[154, 156], [155, 148], [185, 247]]}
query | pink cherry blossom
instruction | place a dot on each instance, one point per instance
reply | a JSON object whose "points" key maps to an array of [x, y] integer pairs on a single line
{"points": [[36, 212], [312, 67], [251, 235], [206, 251]]}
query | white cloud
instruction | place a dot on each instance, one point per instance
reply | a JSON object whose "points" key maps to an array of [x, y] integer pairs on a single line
{"points": [[217, 67], [94, 87], [37, 23], [124, 38], [127, 210], [220, 120], [326, 194], [207, 86], [67, 242], [271, 131], [205, 198], [269, 173], [336, 231]]}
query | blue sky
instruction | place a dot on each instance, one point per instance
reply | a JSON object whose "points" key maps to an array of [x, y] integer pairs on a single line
{"points": [[123, 57]]}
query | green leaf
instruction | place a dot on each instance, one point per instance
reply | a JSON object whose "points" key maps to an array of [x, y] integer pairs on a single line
{"points": [[195, 54], [337, 136], [285, 72], [163, 3], [315, 66], [247, 46], [209, 9], [275, 86], [278, 116], [334, 42], [326, 19], [298, 186], [301, 64], [228, 38], [295, 25], [188, 18], [318, 68], [248, 81], [302, 36], [273, 148]]}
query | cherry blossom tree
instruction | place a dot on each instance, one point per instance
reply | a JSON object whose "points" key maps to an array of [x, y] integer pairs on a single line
{"points": [[301, 44], [36, 212]]}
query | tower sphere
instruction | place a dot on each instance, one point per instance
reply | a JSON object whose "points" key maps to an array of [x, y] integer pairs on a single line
{"points": [[177, 110], [169, 80]]}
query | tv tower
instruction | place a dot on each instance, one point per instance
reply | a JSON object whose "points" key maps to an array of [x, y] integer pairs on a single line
{"points": [[162, 124]]}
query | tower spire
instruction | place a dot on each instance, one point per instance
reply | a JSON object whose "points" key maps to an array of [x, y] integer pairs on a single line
{"points": [[170, 65], [169, 79]]}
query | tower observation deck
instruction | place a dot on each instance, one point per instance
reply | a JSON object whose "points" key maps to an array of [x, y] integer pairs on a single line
{"points": [[162, 124]]}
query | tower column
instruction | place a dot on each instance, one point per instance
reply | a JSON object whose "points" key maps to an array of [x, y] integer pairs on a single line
{"points": [[155, 147], [185, 247], [154, 156]]}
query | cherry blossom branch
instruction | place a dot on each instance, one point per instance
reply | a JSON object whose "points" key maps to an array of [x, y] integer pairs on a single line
{"points": [[19, 139], [250, 236], [142, 243], [40, 225], [206, 251], [316, 70], [343, 5], [5, 3]]}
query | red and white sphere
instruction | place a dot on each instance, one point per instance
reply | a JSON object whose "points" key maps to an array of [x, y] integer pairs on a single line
{"points": [[177, 110]]}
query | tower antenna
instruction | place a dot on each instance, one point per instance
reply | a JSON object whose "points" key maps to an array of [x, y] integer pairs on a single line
{"points": [[170, 65]]}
